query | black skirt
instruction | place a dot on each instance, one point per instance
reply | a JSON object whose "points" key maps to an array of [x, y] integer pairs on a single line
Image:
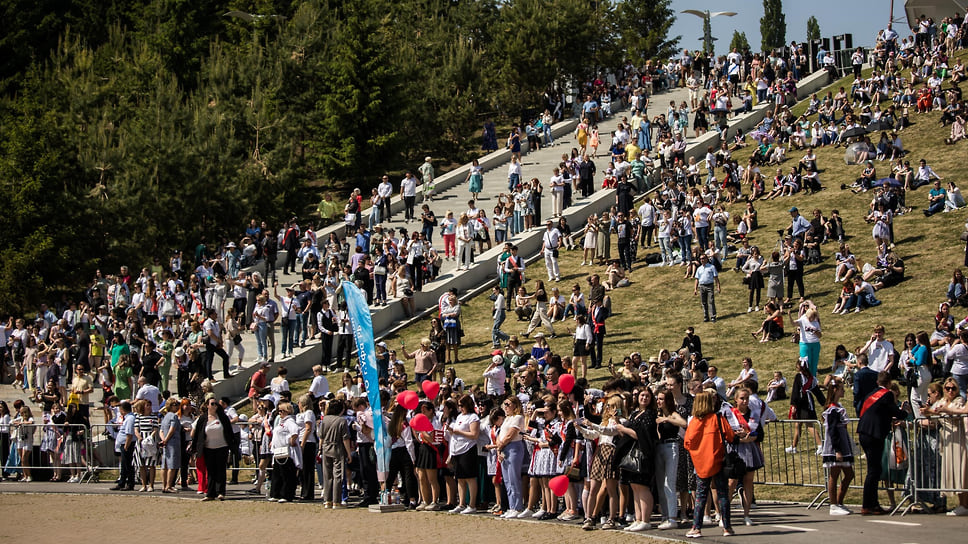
{"points": [[426, 456], [465, 464], [580, 349], [756, 280]]}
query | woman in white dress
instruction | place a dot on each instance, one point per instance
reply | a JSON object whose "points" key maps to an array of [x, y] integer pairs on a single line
{"points": [[591, 240]]}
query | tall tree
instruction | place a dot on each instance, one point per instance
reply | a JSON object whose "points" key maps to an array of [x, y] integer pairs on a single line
{"points": [[643, 27], [739, 42], [813, 29], [773, 25]]}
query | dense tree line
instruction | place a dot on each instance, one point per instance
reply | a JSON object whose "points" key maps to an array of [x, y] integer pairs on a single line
{"points": [[132, 127]]}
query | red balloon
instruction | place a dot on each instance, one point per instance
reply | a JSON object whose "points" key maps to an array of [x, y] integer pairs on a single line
{"points": [[430, 389], [566, 382], [421, 424], [408, 399], [559, 485]]}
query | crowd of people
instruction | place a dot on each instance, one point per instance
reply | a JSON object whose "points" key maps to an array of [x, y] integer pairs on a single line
{"points": [[666, 435]]}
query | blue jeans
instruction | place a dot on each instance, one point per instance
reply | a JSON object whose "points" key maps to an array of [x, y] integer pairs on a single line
{"points": [[511, 471], [666, 475], [374, 216], [302, 332], [548, 138], [722, 499], [381, 287], [518, 222], [702, 235], [962, 380], [290, 334], [665, 249], [513, 179], [497, 335], [685, 244], [261, 337], [719, 235]]}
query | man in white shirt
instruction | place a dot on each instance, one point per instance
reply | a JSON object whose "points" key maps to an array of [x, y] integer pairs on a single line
{"points": [[647, 215], [150, 393], [408, 192], [714, 380], [124, 444], [385, 190], [880, 352], [550, 242], [319, 386]]}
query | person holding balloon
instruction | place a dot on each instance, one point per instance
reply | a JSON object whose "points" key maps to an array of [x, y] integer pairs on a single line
{"points": [[544, 460], [603, 470], [401, 449], [570, 448], [510, 449], [428, 450]]}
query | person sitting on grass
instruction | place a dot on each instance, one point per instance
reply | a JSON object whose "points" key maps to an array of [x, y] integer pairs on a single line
{"points": [[862, 297], [937, 197], [772, 326]]}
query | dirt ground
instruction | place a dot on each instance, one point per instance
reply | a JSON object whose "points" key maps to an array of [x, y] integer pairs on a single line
{"points": [[89, 518]]}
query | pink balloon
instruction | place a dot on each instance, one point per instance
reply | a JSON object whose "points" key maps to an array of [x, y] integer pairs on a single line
{"points": [[421, 424], [559, 485], [566, 382], [408, 399], [430, 389]]}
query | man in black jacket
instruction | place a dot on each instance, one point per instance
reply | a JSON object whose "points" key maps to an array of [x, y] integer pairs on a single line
{"points": [[877, 414], [865, 382]]}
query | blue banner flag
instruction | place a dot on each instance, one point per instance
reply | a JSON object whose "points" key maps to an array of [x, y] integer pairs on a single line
{"points": [[359, 314]]}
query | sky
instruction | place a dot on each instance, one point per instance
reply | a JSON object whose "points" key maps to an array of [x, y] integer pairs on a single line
{"points": [[862, 18]]}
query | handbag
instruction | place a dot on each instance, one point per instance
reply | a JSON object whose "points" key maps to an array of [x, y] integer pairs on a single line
{"points": [[633, 461], [380, 270], [733, 465], [237, 339], [450, 322]]}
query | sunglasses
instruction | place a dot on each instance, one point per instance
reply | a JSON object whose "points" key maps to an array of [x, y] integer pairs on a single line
{"points": [[949, 388]]}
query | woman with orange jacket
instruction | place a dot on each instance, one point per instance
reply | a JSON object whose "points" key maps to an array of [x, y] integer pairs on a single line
{"points": [[706, 438]]}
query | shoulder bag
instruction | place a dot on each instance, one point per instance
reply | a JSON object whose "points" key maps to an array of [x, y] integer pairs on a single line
{"points": [[733, 465]]}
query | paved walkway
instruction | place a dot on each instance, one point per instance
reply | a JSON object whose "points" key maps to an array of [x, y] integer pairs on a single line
{"points": [[788, 522]]}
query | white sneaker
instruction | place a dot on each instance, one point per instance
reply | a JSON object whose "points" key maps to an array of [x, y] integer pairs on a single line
{"points": [[749, 309], [456, 510], [959, 511], [819, 450], [791, 449], [837, 510], [510, 514], [629, 518], [857, 310], [667, 524], [526, 514], [748, 521], [469, 510], [707, 519], [638, 526], [538, 514]]}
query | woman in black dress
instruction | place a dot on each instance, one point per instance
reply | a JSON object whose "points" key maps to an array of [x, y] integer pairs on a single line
{"points": [[642, 435], [623, 195]]}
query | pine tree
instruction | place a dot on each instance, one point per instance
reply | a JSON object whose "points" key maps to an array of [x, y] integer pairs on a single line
{"points": [[773, 25], [739, 42], [813, 29]]}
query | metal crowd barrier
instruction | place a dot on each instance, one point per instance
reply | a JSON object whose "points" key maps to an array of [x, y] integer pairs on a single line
{"points": [[936, 448], [805, 468]]}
